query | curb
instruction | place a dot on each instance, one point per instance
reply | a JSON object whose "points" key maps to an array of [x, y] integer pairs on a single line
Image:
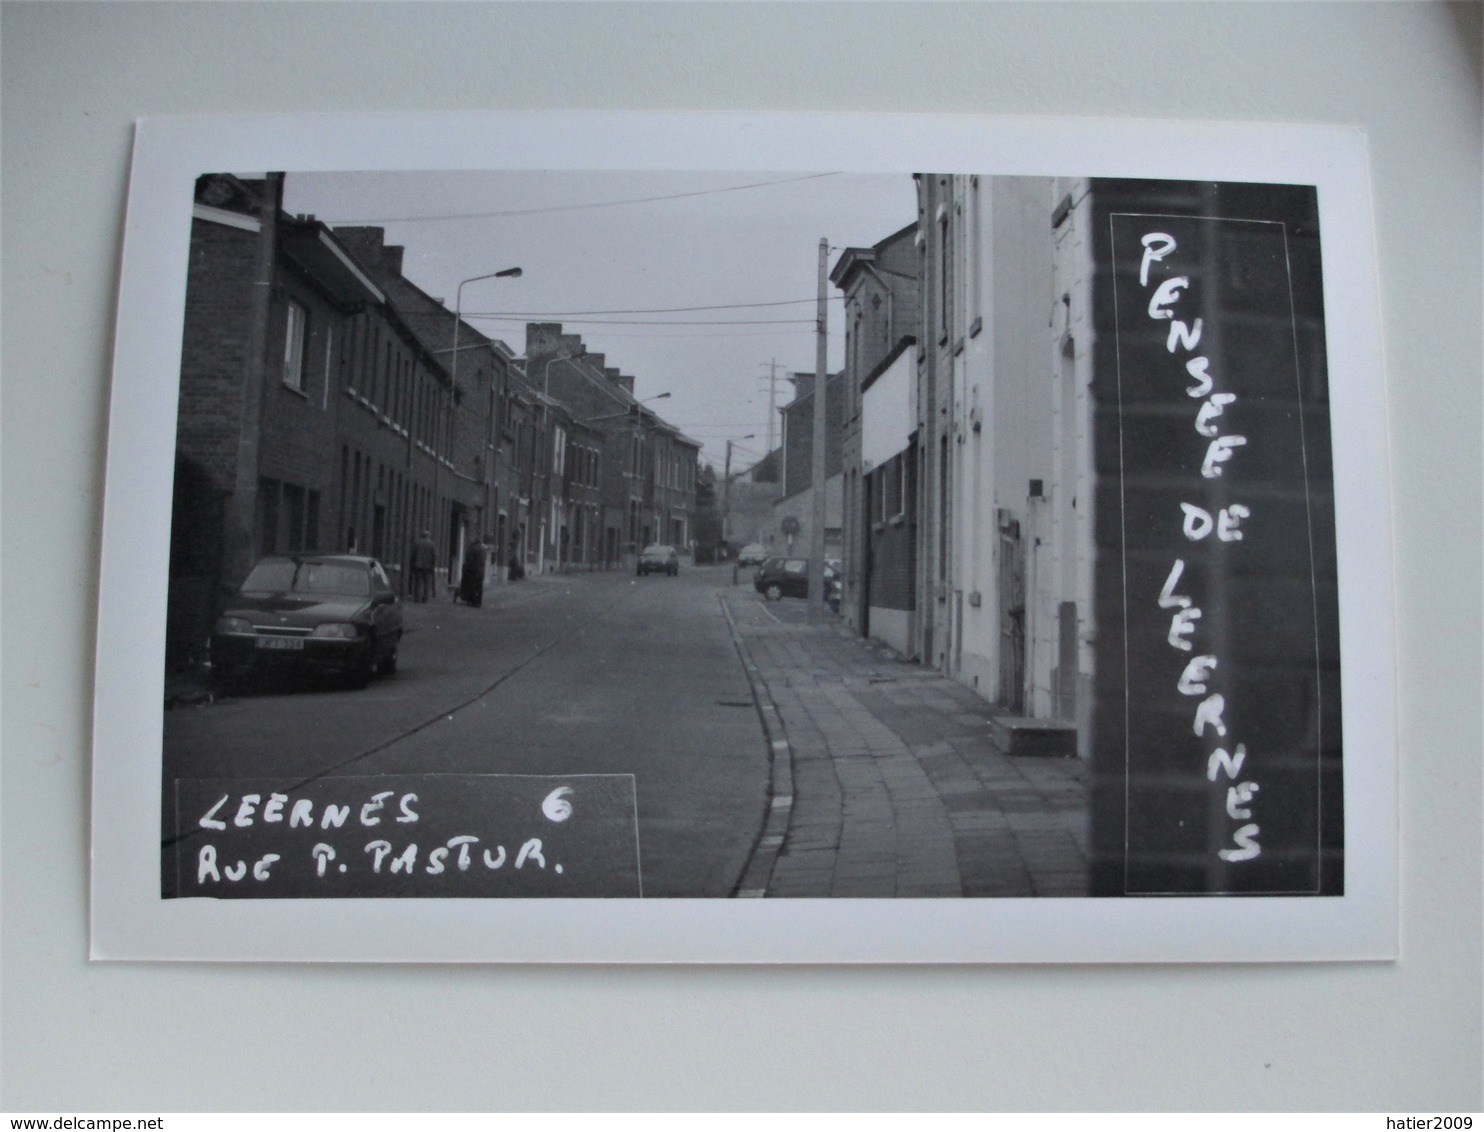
{"points": [[758, 873]]}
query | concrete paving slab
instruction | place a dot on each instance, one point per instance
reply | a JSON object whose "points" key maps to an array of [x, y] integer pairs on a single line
{"points": [[899, 785]]}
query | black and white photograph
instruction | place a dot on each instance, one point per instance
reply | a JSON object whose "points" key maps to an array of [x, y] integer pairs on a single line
{"points": [[788, 539], [506, 561], [754, 557]]}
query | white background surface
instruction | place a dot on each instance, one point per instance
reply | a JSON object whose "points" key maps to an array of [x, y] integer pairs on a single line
{"points": [[1394, 1036]]}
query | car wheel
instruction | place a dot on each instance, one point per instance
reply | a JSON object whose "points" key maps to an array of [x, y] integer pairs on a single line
{"points": [[773, 591]]}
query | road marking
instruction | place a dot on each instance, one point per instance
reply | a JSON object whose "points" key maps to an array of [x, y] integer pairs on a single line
{"points": [[783, 801]]}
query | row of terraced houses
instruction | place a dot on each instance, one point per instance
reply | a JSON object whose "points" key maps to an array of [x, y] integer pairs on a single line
{"points": [[327, 403]]}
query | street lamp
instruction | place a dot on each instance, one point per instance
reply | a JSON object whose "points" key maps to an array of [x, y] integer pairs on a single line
{"points": [[629, 412], [453, 379]]}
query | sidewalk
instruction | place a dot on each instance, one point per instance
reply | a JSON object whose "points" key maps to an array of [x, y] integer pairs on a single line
{"points": [[886, 780]]}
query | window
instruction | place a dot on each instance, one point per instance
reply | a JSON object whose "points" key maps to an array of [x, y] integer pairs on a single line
{"points": [[945, 277], [976, 266], [295, 326]]}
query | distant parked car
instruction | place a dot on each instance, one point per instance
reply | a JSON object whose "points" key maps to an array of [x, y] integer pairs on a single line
{"points": [[789, 577], [659, 560], [314, 613], [753, 554]]}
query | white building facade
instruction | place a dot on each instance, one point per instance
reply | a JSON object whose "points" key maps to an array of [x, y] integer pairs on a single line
{"points": [[1004, 418]]}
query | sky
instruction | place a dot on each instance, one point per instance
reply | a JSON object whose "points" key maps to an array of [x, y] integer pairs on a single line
{"points": [[590, 242]]}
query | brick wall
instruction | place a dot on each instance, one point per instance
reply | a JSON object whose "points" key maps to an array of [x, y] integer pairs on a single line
{"points": [[798, 434], [213, 349]]}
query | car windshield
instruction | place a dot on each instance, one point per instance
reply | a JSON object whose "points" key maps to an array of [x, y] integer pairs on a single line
{"points": [[657, 550], [285, 576]]}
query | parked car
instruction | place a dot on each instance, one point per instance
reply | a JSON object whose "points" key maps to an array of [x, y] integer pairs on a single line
{"points": [[753, 554], [313, 613], [789, 577], [659, 560]]}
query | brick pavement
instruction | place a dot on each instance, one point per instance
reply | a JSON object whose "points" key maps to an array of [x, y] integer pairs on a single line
{"points": [[886, 779]]}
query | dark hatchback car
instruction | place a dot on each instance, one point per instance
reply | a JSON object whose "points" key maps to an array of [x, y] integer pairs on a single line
{"points": [[330, 614], [789, 577], [659, 560]]}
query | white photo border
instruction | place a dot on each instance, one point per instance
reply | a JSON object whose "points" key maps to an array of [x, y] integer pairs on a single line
{"points": [[129, 919]]}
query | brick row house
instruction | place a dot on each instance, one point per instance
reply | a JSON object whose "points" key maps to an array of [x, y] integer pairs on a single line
{"points": [[1067, 404], [647, 492], [878, 438], [311, 417], [327, 403]]}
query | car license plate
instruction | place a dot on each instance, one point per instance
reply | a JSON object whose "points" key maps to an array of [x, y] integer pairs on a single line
{"points": [[281, 643]]}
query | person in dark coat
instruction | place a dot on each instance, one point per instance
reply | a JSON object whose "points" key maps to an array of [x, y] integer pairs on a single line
{"points": [[471, 581], [424, 559]]}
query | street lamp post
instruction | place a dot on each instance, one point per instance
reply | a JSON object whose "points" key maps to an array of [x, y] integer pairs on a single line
{"points": [[453, 384]]}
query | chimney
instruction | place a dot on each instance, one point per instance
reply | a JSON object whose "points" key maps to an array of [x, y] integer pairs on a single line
{"points": [[541, 338], [392, 257]]}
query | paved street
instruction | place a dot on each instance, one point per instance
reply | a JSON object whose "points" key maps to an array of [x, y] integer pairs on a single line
{"points": [[772, 757], [592, 673]]}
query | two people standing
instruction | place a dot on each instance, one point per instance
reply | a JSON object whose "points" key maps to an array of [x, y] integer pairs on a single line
{"points": [[471, 574]]}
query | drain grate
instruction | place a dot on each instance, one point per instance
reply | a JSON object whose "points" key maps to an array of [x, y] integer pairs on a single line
{"points": [[734, 703]]}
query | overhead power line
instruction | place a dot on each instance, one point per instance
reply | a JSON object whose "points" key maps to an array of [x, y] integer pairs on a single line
{"points": [[579, 207], [646, 310], [662, 321], [715, 334]]}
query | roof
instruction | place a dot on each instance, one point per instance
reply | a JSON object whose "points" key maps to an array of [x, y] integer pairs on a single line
{"points": [[851, 258]]}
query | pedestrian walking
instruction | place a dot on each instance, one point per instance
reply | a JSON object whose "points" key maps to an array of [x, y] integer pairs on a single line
{"points": [[424, 558], [471, 580]]}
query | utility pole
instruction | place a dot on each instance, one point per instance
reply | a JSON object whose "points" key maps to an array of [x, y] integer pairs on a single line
{"points": [[726, 506], [772, 399], [816, 533], [726, 492]]}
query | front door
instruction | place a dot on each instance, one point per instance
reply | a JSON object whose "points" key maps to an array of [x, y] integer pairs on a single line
{"points": [[1012, 616]]}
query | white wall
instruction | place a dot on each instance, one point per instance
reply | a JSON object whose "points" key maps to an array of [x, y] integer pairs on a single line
{"points": [[1007, 382], [888, 412], [1401, 1036]]}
